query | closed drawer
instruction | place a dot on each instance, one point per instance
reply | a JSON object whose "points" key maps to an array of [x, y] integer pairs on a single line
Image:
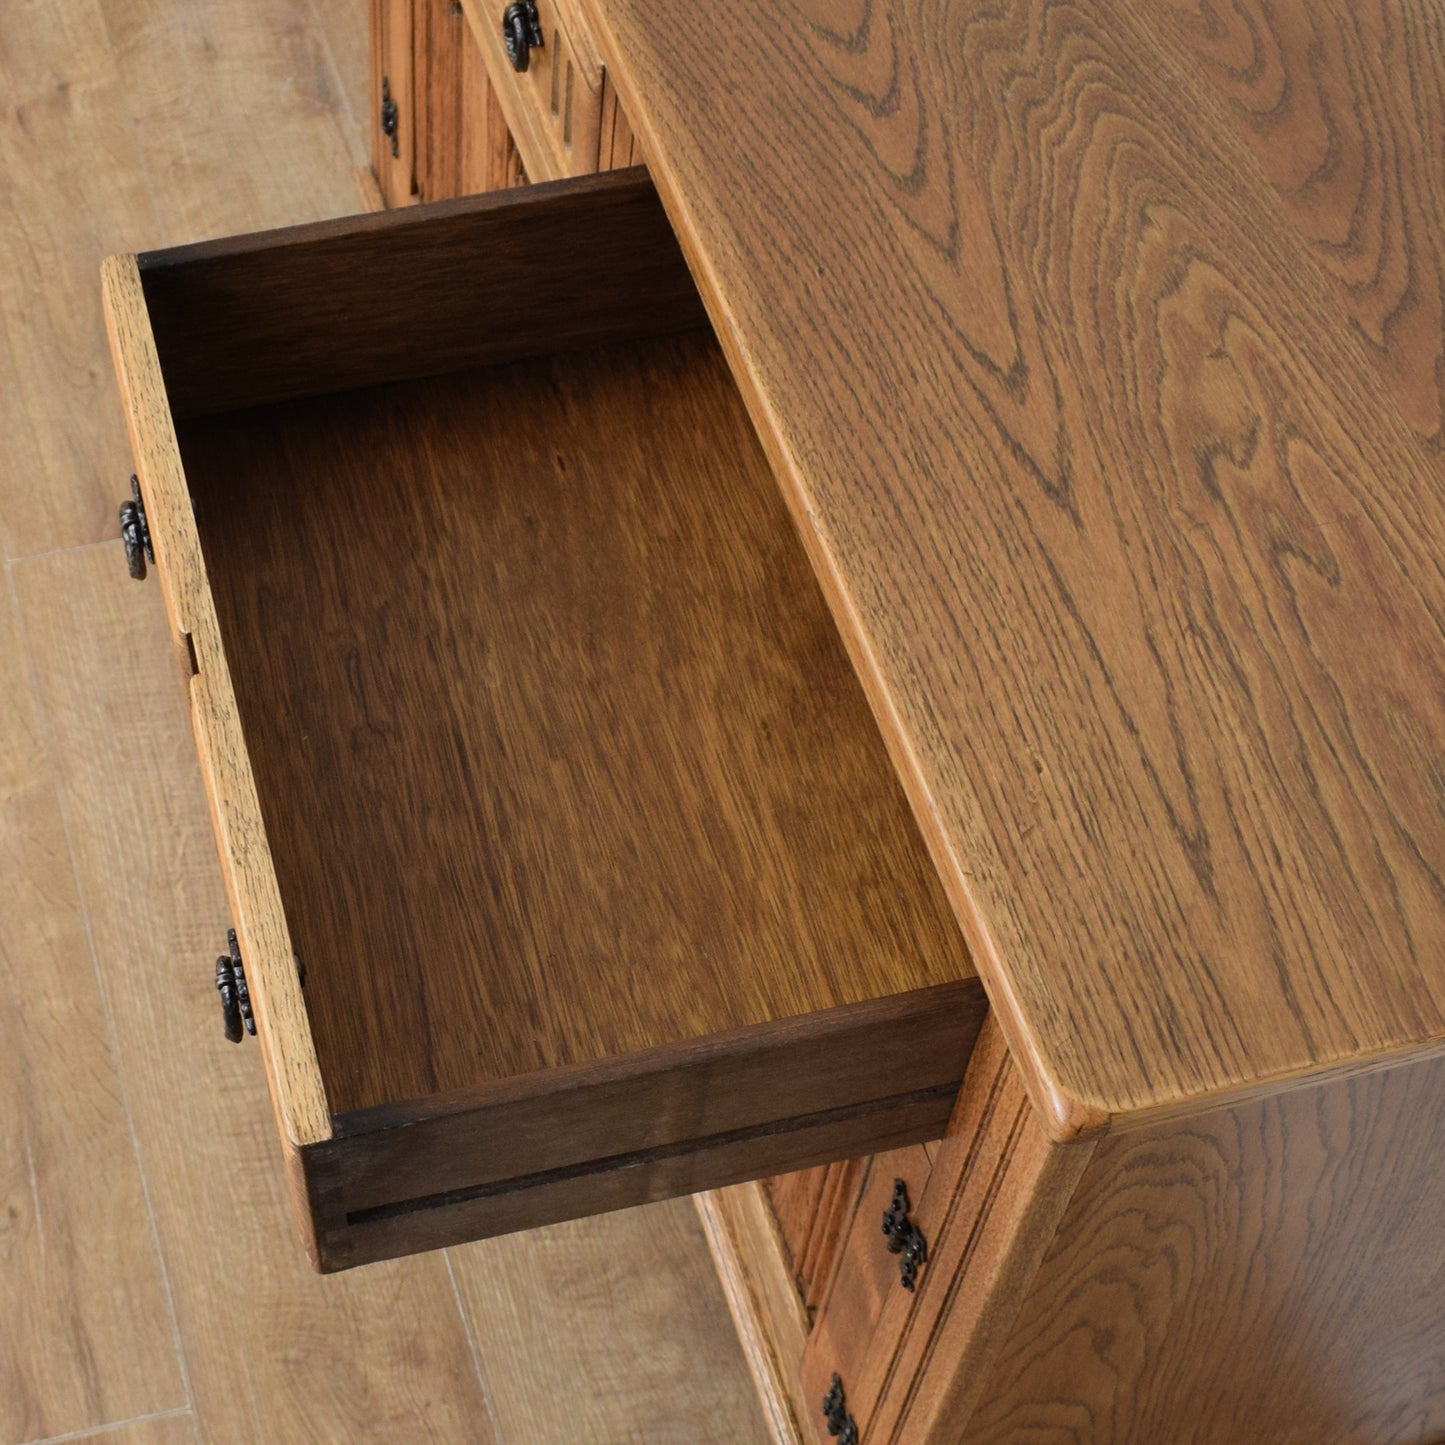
{"points": [[529, 739], [880, 1253], [830, 1220], [553, 93], [936, 1233]]}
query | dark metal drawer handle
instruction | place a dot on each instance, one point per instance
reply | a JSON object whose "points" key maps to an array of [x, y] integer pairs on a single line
{"points": [[135, 532], [236, 1013], [390, 116], [841, 1425], [904, 1237], [521, 32]]}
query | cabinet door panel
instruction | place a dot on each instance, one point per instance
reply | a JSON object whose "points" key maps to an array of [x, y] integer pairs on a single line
{"points": [[393, 109], [463, 146]]}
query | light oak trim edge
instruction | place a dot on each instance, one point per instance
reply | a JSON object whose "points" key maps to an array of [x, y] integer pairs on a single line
{"points": [[283, 1028], [771, 1322]]}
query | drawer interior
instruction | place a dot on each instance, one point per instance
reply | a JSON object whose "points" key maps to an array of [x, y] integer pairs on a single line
{"points": [[585, 837], [559, 754]]}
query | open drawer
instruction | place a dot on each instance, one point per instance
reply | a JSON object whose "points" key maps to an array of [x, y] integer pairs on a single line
{"points": [[567, 862]]}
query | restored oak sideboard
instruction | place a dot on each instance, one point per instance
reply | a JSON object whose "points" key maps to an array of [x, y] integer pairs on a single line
{"points": [[888, 668]]}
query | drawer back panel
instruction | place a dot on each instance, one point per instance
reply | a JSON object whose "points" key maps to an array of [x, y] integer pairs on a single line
{"points": [[364, 300]]}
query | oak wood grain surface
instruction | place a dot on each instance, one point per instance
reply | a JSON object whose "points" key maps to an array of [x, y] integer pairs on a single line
{"points": [[618, 146], [905, 1052], [862, 1278], [626, 1315], [794, 1200], [1273, 1272], [1344, 107], [519, 1204], [912, 1364], [554, 108], [552, 731], [989, 1211], [861, 1273], [1130, 537], [287, 1049], [810, 1206], [463, 145], [72, 1202]]}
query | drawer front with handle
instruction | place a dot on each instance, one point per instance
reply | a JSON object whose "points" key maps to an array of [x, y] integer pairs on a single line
{"points": [[525, 725], [549, 80]]}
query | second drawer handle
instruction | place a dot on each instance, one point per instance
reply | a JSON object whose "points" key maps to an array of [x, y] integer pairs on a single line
{"points": [[236, 1015], [521, 32], [904, 1237], [135, 533], [841, 1425]]}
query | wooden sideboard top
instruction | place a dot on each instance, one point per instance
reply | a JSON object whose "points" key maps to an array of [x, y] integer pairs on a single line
{"points": [[1098, 349]]}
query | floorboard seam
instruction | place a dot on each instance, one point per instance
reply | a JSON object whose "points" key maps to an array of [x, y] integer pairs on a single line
{"points": [[110, 1427], [475, 1349]]}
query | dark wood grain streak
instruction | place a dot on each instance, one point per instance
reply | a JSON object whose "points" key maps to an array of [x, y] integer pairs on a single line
{"points": [[1343, 104], [558, 753], [1134, 551], [1272, 1273], [415, 292]]}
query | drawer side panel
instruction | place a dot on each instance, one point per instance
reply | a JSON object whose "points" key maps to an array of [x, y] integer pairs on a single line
{"points": [[283, 1029]]}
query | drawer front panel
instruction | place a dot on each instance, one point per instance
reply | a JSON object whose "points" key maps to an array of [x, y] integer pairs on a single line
{"points": [[553, 107], [986, 1203], [349, 1236], [847, 1068], [814, 1208], [618, 146], [297, 1091], [865, 1276]]}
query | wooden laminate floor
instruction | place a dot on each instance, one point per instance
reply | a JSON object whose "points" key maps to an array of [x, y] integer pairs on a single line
{"points": [[151, 1289]]}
